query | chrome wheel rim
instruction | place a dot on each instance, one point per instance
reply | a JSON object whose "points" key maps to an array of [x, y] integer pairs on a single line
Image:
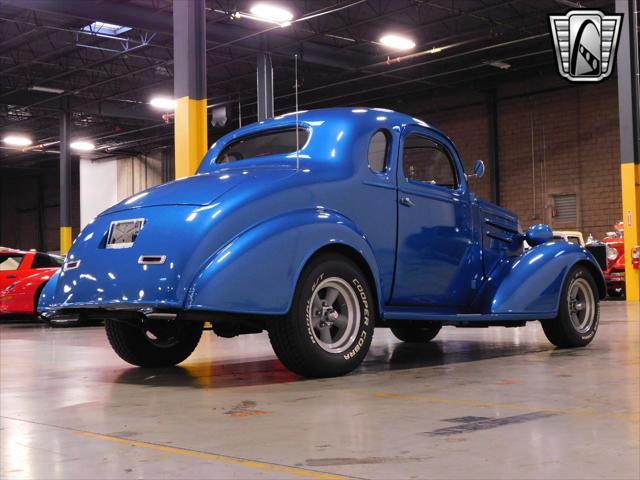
{"points": [[581, 305], [334, 315]]}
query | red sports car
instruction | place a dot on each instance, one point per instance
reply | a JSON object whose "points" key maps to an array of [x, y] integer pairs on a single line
{"points": [[614, 274], [22, 277]]}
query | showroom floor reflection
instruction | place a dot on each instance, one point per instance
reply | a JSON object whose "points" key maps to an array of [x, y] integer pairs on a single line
{"points": [[465, 402]]}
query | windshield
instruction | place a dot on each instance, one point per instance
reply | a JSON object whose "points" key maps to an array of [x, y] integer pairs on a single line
{"points": [[263, 144]]}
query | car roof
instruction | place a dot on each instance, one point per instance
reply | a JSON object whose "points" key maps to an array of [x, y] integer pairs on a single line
{"points": [[382, 116], [11, 250], [358, 118]]}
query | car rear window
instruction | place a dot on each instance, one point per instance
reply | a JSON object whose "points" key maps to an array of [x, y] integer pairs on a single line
{"points": [[44, 260], [263, 144], [10, 262]]}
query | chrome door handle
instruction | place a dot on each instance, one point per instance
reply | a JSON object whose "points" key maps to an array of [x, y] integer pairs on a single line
{"points": [[11, 276], [407, 202]]}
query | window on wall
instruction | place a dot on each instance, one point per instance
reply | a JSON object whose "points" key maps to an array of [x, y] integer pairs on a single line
{"points": [[424, 160], [565, 209], [379, 152]]}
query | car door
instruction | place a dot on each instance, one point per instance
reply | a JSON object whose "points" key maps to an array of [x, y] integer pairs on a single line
{"points": [[435, 260], [9, 268]]}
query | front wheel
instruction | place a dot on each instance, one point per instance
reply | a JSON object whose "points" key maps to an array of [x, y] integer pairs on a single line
{"points": [[329, 328], [153, 343], [578, 313]]}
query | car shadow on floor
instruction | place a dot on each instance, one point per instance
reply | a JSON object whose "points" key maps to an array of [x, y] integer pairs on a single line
{"points": [[393, 357]]}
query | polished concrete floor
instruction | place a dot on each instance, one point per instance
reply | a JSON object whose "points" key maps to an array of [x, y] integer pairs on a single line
{"points": [[484, 403]]}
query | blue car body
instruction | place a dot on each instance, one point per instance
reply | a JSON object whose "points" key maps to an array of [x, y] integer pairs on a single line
{"points": [[236, 236]]}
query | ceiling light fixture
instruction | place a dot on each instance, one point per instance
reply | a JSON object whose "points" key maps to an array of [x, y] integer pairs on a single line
{"points": [[37, 88], [163, 103], [82, 146], [267, 12], [498, 64], [105, 28], [397, 42], [17, 140]]}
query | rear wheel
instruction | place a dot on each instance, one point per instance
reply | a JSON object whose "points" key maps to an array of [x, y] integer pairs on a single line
{"points": [[579, 311], [416, 334], [153, 343], [329, 328]]}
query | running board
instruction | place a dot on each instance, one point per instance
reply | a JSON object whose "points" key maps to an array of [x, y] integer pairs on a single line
{"points": [[410, 313]]}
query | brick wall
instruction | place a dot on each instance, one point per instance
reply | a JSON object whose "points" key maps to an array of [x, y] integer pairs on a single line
{"points": [[469, 129], [563, 141]]}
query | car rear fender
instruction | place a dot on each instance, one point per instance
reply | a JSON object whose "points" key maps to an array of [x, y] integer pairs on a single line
{"points": [[257, 271], [48, 293], [532, 282]]}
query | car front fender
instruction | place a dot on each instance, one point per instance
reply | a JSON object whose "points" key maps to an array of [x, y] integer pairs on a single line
{"points": [[257, 272], [532, 282]]}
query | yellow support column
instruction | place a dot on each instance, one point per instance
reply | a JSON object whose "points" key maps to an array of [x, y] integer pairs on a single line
{"points": [[66, 239], [631, 217], [190, 135], [189, 85], [629, 124]]}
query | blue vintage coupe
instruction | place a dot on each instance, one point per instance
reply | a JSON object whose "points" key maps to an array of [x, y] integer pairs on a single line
{"points": [[319, 227]]}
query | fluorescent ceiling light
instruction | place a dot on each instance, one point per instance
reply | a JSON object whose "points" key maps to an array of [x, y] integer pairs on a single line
{"points": [[163, 103], [37, 88], [105, 28], [397, 42], [82, 145], [17, 141], [498, 64], [268, 12]]}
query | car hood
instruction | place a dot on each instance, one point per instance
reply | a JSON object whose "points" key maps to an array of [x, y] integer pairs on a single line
{"points": [[200, 190]]}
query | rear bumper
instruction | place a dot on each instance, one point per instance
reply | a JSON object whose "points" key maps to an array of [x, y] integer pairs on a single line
{"points": [[125, 312]]}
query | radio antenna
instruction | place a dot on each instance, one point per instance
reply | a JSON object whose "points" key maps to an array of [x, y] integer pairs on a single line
{"points": [[295, 60]]}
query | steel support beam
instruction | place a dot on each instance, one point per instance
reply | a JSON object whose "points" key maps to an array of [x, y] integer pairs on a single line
{"points": [[65, 178], [494, 148], [190, 85], [629, 121], [265, 86]]}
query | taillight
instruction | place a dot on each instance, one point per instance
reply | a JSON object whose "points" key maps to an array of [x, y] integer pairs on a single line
{"points": [[635, 256]]}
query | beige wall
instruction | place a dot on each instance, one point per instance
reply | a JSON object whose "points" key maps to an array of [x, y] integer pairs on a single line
{"points": [[138, 173]]}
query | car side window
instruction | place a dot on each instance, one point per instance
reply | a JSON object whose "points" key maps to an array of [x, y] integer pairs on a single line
{"points": [[424, 160], [43, 260], [378, 153], [10, 262]]}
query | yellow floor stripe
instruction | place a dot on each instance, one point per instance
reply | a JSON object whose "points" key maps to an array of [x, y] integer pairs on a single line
{"points": [[507, 406], [268, 467]]}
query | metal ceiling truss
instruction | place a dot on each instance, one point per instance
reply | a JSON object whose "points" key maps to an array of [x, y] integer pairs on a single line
{"points": [[110, 78]]}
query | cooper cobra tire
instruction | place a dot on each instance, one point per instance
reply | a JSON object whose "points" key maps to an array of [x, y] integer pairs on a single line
{"points": [[416, 334], [579, 311], [329, 328], [172, 344]]}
